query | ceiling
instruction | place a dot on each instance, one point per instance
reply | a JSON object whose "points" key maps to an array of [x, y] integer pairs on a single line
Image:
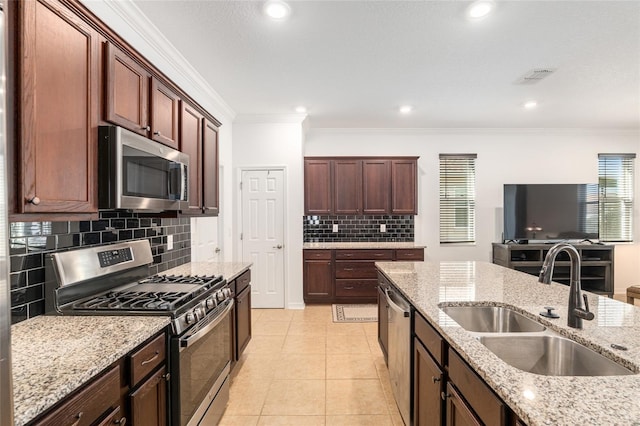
{"points": [[354, 63]]}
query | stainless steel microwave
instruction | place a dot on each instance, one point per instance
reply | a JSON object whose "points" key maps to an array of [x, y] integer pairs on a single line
{"points": [[136, 173]]}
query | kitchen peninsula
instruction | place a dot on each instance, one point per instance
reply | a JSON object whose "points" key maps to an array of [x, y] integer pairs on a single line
{"points": [[535, 399]]}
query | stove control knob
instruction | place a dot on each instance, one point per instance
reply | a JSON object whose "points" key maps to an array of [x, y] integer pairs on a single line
{"points": [[190, 318], [220, 296], [226, 292], [210, 303], [198, 312]]}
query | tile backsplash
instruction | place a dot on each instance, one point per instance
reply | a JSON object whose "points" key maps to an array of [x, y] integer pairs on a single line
{"points": [[30, 242], [352, 228]]}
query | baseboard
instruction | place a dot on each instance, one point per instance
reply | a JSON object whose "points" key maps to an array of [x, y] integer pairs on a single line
{"points": [[295, 305]]}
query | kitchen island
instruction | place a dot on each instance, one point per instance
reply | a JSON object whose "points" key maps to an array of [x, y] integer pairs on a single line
{"points": [[536, 399]]}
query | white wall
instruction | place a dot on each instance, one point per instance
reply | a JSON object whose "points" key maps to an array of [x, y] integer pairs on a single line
{"points": [[504, 156], [275, 141], [131, 24]]}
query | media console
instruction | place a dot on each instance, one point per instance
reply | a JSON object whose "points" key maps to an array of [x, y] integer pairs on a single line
{"points": [[596, 263]]}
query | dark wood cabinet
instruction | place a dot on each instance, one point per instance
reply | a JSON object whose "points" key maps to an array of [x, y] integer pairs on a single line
{"points": [[404, 191], [458, 412], [317, 187], [376, 186], [360, 185], [149, 401], [191, 121], [243, 320], [347, 186], [127, 92], [428, 380], [57, 76], [210, 195], [165, 107], [317, 276]]}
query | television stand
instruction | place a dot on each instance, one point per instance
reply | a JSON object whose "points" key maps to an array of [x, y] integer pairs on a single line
{"points": [[596, 263]]}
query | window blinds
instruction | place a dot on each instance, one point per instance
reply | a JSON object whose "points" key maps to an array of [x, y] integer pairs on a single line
{"points": [[457, 198], [615, 179]]}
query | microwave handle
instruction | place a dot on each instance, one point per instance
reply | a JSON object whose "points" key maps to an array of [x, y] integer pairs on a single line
{"points": [[177, 182]]}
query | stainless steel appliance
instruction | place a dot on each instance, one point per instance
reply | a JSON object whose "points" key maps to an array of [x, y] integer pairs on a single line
{"points": [[399, 351], [6, 395], [113, 280], [140, 174]]}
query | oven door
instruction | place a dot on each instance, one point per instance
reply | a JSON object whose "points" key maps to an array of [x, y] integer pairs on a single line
{"points": [[203, 359]]}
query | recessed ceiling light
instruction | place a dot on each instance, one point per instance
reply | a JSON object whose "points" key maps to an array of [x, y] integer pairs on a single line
{"points": [[277, 9], [530, 104], [406, 109], [480, 9], [300, 109]]}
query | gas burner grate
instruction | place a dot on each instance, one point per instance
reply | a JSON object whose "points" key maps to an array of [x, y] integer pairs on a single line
{"points": [[184, 279], [135, 300]]}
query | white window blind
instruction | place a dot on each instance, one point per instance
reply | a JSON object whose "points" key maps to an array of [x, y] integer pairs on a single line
{"points": [[457, 198], [615, 178]]}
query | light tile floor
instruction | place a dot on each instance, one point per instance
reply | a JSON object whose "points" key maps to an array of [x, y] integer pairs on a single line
{"points": [[300, 368]]}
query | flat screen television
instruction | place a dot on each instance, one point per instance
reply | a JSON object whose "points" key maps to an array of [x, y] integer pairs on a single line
{"points": [[550, 212]]}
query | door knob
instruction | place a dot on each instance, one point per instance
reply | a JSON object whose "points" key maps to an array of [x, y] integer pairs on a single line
{"points": [[34, 200], [279, 246], [217, 250]]}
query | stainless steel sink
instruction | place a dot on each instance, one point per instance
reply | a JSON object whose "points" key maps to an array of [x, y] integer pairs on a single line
{"points": [[551, 356], [491, 319]]}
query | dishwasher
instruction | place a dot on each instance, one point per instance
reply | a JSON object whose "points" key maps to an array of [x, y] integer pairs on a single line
{"points": [[399, 351]]}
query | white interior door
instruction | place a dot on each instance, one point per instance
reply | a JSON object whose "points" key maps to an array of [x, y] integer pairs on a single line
{"points": [[263, 235]]}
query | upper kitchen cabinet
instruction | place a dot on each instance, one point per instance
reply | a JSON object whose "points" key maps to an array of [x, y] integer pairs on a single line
{"points": [[376, 186], [404, 188], [199, 139], [127, 92], [360, 185], [191, 122], [165, 107], [317, 187], [210, 195], [347, 186], [56, 87]]}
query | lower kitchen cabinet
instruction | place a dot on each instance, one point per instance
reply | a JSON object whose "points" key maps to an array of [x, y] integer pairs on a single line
{"points": [[132, 391], [346, 275], [428, 379], [242, 330], [149, 401], [458, 412]]}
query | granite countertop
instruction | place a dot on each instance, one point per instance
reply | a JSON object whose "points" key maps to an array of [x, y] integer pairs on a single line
{"points": [[363, 245], [229, 270], [54, 355], [536, 399]]}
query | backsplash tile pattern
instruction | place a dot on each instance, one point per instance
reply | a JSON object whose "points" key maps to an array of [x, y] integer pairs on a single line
{"points": [[30, 242], [351, 228]]}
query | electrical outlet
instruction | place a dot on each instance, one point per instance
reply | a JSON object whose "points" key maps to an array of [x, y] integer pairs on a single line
{"points": [[335, 227], [383, 227], [169, 242]]}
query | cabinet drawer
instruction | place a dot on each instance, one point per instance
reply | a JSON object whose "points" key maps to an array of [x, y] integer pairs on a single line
{"points": [[374, 255], [488, 407], [429, 337], [317, 254], [89, 404], [410, 254], [365, 270], [243, 281], [359, 288], [145, 360]]}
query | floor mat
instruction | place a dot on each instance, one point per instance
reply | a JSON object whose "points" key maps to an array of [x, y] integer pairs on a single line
{"points": [[354, 313]]}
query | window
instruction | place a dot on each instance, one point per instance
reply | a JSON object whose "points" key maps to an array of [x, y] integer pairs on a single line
{"points": [[457, 198], [615, 177]]}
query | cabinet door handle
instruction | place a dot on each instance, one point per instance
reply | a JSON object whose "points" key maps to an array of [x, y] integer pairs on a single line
{"points": [[166, 377], [147, 128], [348, 255], [33, 200], [157, 133], [78, 417], [147, 361], [435, 379], [348, 288], [348, 269], [121, 422], [378, 255], [444, 396]]}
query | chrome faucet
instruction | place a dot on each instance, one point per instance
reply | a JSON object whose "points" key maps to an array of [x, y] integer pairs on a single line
{"points": [[575, 313]]}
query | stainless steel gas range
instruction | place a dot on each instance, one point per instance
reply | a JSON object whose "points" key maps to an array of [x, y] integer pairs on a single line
{"points": [[114, 280]]}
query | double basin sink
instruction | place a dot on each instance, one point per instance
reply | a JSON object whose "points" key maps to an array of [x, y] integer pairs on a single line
{"points": [[529, 346]]}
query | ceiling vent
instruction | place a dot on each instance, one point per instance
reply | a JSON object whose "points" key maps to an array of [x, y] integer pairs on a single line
{"points": [[535, 75]]}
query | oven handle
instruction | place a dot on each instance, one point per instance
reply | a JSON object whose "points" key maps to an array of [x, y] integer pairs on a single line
{"points": [[185, 342]]}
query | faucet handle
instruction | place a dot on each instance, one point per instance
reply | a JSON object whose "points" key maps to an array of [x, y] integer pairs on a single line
{"points": [[588, 315]]}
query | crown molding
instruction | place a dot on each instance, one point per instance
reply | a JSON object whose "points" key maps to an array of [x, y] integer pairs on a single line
{"points": [[270, 118], [140, 24], [474, 131]]}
